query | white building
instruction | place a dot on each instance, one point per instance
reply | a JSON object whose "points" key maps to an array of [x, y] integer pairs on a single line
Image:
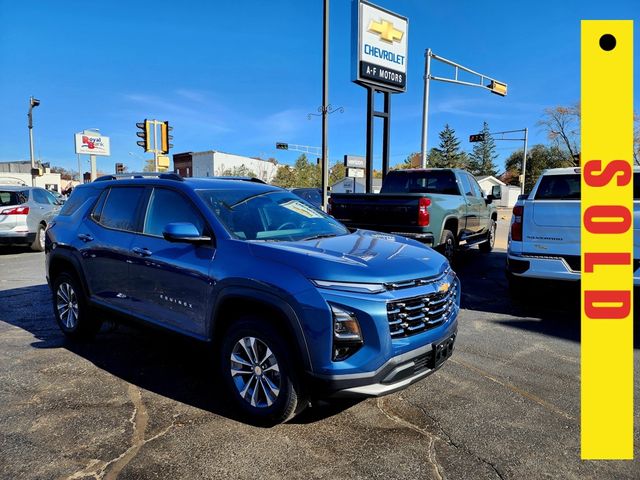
{"points": [[215, 164], [20, 172], [355, 185], [509, 193]]}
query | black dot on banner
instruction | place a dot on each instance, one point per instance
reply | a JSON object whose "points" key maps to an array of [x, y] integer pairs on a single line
{"points": [[607, 42]]}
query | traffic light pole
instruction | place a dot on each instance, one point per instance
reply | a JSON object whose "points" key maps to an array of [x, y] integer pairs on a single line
{"points": [[494, 86], [524, 154]]}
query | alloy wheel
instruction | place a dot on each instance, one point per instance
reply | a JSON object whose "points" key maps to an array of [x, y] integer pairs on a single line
{"points": [[255, 372], [67, 305]]}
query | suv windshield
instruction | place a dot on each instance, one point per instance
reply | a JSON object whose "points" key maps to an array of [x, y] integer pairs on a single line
{"points": [[272, 215], [421, 181]]}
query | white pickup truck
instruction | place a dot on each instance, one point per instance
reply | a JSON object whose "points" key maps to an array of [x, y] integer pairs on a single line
{"points": [[544, 238]]}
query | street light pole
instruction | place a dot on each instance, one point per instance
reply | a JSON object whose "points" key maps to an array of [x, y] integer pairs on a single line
{"points": [[325, 102], [33, 102]]}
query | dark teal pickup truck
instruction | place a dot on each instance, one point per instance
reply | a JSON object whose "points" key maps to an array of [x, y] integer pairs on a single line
{"points": [[441, 207]]}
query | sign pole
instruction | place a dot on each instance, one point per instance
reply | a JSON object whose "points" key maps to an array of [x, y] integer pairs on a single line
{"points": [[425, 106], [94, 169]]}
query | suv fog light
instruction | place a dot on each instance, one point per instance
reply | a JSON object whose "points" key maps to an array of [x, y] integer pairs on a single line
{"points": [[347, 336]]}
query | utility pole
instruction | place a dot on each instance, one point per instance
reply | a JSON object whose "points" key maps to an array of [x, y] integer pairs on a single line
{"points": [[524, 160], [325, 102], [33, 102], [425, 106], [494, 86]]}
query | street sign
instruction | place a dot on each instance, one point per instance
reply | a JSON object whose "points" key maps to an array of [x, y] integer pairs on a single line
{"points": [[353, 161], [379, 46], [92, 143], [355, 172]]}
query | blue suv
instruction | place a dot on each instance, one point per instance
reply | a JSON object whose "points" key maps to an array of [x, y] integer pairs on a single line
{"points": [[295, 305]]}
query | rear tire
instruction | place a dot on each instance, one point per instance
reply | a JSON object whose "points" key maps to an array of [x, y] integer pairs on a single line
{"points": [[448, 245], [71, 309], [38, 242], [488, 244], [260, 373]]}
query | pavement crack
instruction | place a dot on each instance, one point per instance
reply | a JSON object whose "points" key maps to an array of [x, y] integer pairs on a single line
{"points": [[406, 424], [109, 470], [446, 438]]}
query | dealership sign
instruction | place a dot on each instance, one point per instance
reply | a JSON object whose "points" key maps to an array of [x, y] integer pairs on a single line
{"points": [[380, 45], [92, 143]]}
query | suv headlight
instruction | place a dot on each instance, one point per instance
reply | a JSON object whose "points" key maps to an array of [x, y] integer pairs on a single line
{"points": [[350, 286], [347, 335]]}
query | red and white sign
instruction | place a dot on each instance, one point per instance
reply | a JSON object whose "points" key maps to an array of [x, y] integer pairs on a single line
{"points": [[92, 143]]}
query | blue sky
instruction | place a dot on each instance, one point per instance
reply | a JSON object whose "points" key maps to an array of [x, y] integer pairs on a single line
{"points": [[239, 76]]}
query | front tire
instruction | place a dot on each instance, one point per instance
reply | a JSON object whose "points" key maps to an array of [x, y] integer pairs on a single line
{"points": [[71, 309], [259, 372], [488, 244]]}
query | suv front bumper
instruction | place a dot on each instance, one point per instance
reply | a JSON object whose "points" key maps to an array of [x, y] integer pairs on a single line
{"points": [[396, 374]]}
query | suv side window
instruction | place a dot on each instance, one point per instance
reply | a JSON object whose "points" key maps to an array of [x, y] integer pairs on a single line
{"points": [[120, 208], [167, 206], [466, 186], [40, 196]]}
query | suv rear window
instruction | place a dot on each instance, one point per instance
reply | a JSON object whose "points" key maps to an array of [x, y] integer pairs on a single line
{"points": [[567, 187], [120, 208], [77, 199], [13, 197], [424, 181]]}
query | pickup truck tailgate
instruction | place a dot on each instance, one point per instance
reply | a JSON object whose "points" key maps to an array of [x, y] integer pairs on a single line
{"points": [[374, 210], [553, 228]]}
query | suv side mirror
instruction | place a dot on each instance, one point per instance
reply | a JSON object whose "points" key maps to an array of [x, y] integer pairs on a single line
{"points": [[496, 192], [183, 232]]}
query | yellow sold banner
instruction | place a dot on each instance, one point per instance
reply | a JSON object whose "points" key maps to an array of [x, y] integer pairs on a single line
{"points": [[607, 240]]}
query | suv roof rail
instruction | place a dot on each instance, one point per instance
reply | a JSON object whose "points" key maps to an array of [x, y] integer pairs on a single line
{"points": [[243, 179], [161, 175]]}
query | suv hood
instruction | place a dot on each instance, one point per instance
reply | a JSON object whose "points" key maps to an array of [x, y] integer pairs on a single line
{"points": [[362, 256]]}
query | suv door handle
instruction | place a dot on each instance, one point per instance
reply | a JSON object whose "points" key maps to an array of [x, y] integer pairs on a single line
{"points": [[143, 252], [85, 237]]}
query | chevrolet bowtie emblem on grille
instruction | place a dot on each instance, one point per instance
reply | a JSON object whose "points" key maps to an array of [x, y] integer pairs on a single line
{"points": [[443, 287], [385, 30]]}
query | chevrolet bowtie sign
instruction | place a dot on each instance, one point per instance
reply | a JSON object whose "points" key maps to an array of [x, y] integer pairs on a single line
{"points": [[379, 47]]}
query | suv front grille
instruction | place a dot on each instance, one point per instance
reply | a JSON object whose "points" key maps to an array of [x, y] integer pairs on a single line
{"points": [[414, 315]]}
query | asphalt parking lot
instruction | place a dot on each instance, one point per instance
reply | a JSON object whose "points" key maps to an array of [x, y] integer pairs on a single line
{"points": [[137, 403]]}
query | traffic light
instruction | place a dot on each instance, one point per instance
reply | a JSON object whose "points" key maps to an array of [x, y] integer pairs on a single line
{"points": [[165, 137], [144, 133], [119, 168], [282, 146], [478, 137], [498, 88]]}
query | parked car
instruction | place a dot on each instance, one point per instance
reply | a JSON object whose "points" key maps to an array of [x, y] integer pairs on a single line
{"points": [[544, 236], [440, 207], [311, 195], [25, 213], [294, 304]]}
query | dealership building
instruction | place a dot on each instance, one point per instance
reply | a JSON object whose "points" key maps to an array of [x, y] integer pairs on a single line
{"points": [[213, 164]]}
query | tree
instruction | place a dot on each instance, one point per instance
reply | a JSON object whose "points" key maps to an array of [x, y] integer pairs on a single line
{"points": [[64, 173], [539, 158], [337, 172], [483, 156], [562, 125], [149, 165], [239, 171], [448, 155]]}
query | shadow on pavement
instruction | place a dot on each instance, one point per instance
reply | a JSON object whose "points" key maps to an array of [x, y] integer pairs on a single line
{"points": [[15, 249], [168, 364], [549, 308]]}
